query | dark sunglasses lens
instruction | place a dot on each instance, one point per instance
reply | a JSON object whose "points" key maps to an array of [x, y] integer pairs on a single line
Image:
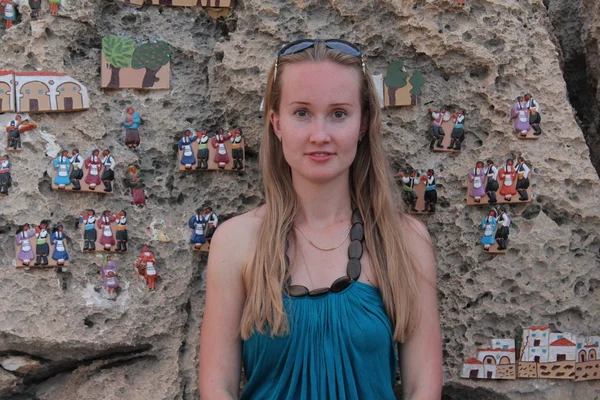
{"points": [[294, 48], [344, 48]]}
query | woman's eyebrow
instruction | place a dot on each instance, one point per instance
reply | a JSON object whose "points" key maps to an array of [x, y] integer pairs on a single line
{"points": [[304, 103]]}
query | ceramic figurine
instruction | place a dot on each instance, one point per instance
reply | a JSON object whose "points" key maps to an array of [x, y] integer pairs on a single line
{"points": [[435, 130], [211, 223], [57, 239], [62, 165], [461, 3], [15, 129], [458, 131], [526, 113], [54, 6], [42, 250], [10, 13], [122, 239], [237, 150], [109, 277], [88, 218], [491, 186], [132, 124], [108, 173], [203, 153], [125, 64], [188, 160], [502, 232], [197, 224], [77, 170], [522, 185], [93, 164], [36, 8], [22, 239], [489, 225], [146, 267], [136, 184], [409, 193], [218, 143], [5, 178], [507, 175], [477, 179], [107, 238], [430, 195]]}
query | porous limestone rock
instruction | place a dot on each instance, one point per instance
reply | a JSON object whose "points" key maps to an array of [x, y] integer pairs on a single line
{"points": [[145, 345]]}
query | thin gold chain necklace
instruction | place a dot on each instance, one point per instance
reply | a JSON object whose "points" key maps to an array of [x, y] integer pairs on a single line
{"points": [[321, 248]]}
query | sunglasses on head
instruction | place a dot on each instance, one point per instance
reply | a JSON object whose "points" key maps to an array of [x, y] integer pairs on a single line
{"points": [[301, 45]]}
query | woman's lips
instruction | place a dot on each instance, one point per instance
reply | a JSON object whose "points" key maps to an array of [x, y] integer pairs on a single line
{"points": [[320, 156]]}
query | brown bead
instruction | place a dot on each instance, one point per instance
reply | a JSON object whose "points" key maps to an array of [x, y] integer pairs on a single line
{"points": [[340, 284], [355, 249], [357, 232], [354, 269], [356, 216], [318, 292], [297, 291]]}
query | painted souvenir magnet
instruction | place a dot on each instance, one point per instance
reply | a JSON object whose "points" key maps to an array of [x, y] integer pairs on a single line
{"points": [[447, 130], [5, 177], [181, 3], [14, 130], [509, 184], [36, 8], [10, 12], [94, 174], [54, 6], [497, 361], [127, 65], [39, 92], [203, 225], [217, 8], [103, 233], [136, 184], [495, 231], [198, 151], [419, 191], [527, 118], [132, 128], [400, 88], [7, 91], [549, 355], [146, 267], [110, 278], [36, 246]]}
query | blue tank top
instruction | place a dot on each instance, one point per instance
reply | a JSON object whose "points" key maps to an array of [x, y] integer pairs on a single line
{"points": [[340, 346]]}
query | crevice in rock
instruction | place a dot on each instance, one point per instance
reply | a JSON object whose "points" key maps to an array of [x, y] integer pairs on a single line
{"points": [[566, 17]]}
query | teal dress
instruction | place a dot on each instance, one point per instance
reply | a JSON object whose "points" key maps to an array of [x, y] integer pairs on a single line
{"points": [[340, 346]]}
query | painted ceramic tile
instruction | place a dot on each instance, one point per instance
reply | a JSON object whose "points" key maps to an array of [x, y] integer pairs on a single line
{"points": [[49, 92], [103, 232], [527, 118], [419, 191], [40, 246], [203, 151], [488, 184]]}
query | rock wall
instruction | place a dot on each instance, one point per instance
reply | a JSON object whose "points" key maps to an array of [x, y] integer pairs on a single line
{"points": [[145, 345]]}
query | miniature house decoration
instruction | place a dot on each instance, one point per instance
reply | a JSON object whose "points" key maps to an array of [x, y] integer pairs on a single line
{"points": [[488, 184], [36, 92], [541, 354], [215, 8], [399, 87], [496, 361], [125, 64], [419, 191], [205, 151]]}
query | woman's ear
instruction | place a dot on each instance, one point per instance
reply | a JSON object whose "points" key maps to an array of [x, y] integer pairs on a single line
{"points": [[274, 118]]}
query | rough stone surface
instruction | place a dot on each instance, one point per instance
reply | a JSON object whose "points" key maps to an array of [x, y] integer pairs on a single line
{"points": [[145, 345]]}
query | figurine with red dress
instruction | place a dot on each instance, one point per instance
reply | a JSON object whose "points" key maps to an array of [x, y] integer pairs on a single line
{"points": [[507, 175], [146, 267], [93, 164], [218, 143]]}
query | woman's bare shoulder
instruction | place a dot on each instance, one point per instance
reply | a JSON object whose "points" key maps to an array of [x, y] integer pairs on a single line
{"points": [[419, 244]]}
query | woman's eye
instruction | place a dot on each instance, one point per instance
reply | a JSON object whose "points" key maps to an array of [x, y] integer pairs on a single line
{"points": [[339, 114], [301, 113]]}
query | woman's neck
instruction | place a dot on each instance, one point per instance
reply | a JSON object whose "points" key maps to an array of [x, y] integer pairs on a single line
{"points": [[323, 205]]}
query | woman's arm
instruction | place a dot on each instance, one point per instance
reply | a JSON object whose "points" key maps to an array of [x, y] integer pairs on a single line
{"points": [[421, 356], [220, 342]]}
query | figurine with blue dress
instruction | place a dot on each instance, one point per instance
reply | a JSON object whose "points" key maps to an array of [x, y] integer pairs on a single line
{"points": [[57, 239], [62, 165], [188, 159], [198, 225], [489, 225]]}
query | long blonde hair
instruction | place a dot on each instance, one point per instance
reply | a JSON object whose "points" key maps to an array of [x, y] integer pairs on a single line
{"points": [[371, 186]]}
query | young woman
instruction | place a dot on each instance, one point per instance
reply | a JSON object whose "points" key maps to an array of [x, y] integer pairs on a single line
{"points": [[328, 273]]}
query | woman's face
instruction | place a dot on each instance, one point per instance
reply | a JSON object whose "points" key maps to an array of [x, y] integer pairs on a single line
{"points": [[319, 119]]}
